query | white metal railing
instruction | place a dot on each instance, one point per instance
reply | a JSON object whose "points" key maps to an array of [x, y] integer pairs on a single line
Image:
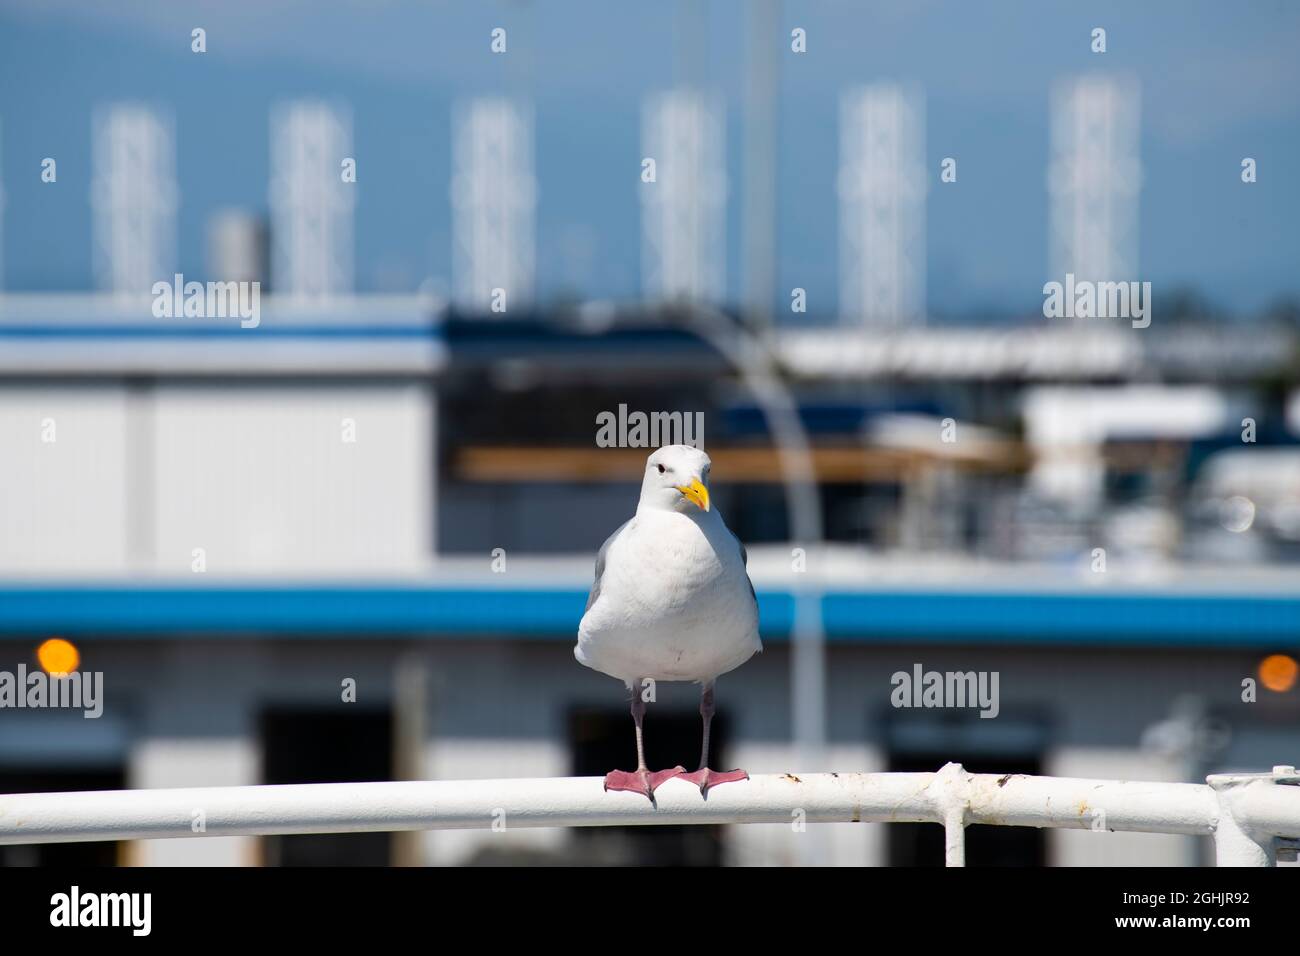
{"points": [[1253, 818]]}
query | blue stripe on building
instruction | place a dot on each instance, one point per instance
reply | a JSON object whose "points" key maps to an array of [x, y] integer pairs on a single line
{"points": [[1234, 620]]}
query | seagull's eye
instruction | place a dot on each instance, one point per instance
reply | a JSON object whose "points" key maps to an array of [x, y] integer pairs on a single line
{"points": [[662, 469]]}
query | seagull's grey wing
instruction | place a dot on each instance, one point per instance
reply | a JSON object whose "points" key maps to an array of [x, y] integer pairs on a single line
{"points": [[600, 564], [744, 559]]}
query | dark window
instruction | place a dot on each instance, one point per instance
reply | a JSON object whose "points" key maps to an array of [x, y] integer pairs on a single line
{"points": [[922, 844], [305, 746], [14, 780]]}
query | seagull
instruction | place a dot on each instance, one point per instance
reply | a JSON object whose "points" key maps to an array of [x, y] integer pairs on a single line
{"points": [[672, 601]]}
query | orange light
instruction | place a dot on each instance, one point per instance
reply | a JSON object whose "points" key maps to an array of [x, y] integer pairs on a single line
{"points": [[58, 657], [1278, 672]]}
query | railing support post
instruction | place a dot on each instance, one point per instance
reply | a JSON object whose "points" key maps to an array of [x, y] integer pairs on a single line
{"points": [[1238, 841], [954, 799]]}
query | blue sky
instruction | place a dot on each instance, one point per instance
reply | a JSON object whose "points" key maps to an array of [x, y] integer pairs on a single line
{"points": [[1219, 81]]}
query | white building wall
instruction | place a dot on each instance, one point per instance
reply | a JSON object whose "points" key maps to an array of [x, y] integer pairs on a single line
{"points": [[835, 844], [472, 759], [264, 481], [263, 478], [1098, 846], [62, 501], [188, 762]]}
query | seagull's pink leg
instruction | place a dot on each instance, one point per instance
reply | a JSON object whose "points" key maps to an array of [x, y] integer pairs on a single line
{"points": [[640, 780], [704, 778]]}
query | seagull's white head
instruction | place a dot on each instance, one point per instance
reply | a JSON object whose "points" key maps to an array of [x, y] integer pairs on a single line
{"points": [[676, 479]]}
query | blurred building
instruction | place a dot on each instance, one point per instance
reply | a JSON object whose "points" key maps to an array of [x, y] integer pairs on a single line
{"points": [[232, 524], [683, 197], [134, 197], [351, 537], [311, 199], [1094, 178], [882, 187], [494, 196]]}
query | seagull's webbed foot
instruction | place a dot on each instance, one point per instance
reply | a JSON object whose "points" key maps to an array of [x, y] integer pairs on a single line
{"points": [[644, 782], [704, 778]]}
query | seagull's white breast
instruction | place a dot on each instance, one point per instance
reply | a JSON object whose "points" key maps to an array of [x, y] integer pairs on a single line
{"points": [[675, 602]]}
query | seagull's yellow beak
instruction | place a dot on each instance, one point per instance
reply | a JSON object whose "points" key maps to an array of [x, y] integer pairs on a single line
{"points": [[696, 492]]}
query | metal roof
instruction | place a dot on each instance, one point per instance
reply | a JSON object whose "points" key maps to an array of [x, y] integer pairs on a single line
{"points": [[106, 334]]}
